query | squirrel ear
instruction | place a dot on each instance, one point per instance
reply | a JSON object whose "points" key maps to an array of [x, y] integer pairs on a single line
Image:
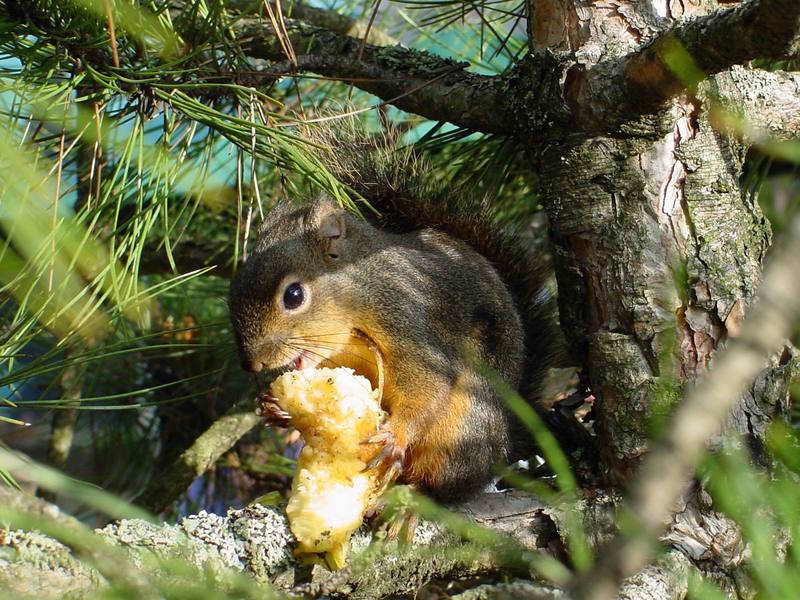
{"points": [[331, 232]]}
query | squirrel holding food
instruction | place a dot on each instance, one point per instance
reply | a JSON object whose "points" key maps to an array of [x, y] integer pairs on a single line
{"points": [[439, 291]]}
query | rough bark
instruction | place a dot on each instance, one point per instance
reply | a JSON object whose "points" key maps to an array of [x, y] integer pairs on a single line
{"points": [[761, 107], [658, 251], [677, 453], [256, 541], [617, 90]]}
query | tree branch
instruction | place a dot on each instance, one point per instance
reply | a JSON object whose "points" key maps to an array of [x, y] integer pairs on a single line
{"points": [[321, 17], [413, 80], [416, 81], [613, 93], [761, 106], [257, 541]]}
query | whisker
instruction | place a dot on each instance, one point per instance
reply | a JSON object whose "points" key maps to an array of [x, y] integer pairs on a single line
{"points": [[321, 335], [319, 344], [328, 345], [317, 354], [289, 355], [357, 342], [313, 353], [310, 350]]}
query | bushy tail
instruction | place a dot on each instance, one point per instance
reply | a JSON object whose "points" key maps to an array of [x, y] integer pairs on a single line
{"points": [[398, 184]]}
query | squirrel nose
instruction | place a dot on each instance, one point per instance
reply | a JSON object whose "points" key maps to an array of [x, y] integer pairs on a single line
{"points": [[255, 365]]}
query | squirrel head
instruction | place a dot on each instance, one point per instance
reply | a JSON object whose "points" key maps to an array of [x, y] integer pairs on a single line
{"points": [[283, 301]]}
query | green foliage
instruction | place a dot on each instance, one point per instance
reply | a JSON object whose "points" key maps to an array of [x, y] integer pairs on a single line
{"points": [[129, 192], [764, 505]]}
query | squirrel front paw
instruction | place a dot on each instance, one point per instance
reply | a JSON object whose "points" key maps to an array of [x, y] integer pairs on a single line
{"points": [[268, 408], [391, 456]]}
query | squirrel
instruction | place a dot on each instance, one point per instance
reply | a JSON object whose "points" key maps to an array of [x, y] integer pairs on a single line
{"points": [[433, 281]]}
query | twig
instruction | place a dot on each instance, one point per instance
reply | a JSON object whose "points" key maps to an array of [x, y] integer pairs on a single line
{"points": [[279, 26], [363, 44], [54, 220], [111, 32]]}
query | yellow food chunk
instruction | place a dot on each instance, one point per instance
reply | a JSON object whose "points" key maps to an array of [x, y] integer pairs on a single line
{"points": [[335, 410]]}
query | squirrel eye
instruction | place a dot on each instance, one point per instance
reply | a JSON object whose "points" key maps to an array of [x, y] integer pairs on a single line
{"points": [[293, 296]]}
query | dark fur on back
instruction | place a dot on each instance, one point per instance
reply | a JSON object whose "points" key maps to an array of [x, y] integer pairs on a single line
{"points": [[397, 183]]}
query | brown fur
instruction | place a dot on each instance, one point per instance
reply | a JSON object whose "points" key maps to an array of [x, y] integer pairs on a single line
{"points": [[433, 299]]}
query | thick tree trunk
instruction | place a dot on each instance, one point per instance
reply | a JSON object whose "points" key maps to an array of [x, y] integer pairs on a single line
{"points": [[658, 251]]}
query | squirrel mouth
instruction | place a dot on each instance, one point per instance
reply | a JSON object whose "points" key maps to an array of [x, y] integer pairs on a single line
{"points": [[359, 353], [302, 361]]}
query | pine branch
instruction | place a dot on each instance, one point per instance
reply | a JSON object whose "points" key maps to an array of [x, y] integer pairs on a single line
{"points": [[413, 80], [416, 81]]}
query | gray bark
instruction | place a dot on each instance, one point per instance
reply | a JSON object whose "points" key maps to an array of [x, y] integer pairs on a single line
{"points": [[256, 541], [658, 250], [658, 255]]}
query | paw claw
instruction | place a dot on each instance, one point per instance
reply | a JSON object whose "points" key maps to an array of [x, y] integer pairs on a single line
{"points": [[382, 437], [389, 458], [381, 457], [268, 408], [392, 473], [403, 527]]}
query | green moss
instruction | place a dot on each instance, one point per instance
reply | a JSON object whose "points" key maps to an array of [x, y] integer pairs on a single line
{"points": [[665, 394]]}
